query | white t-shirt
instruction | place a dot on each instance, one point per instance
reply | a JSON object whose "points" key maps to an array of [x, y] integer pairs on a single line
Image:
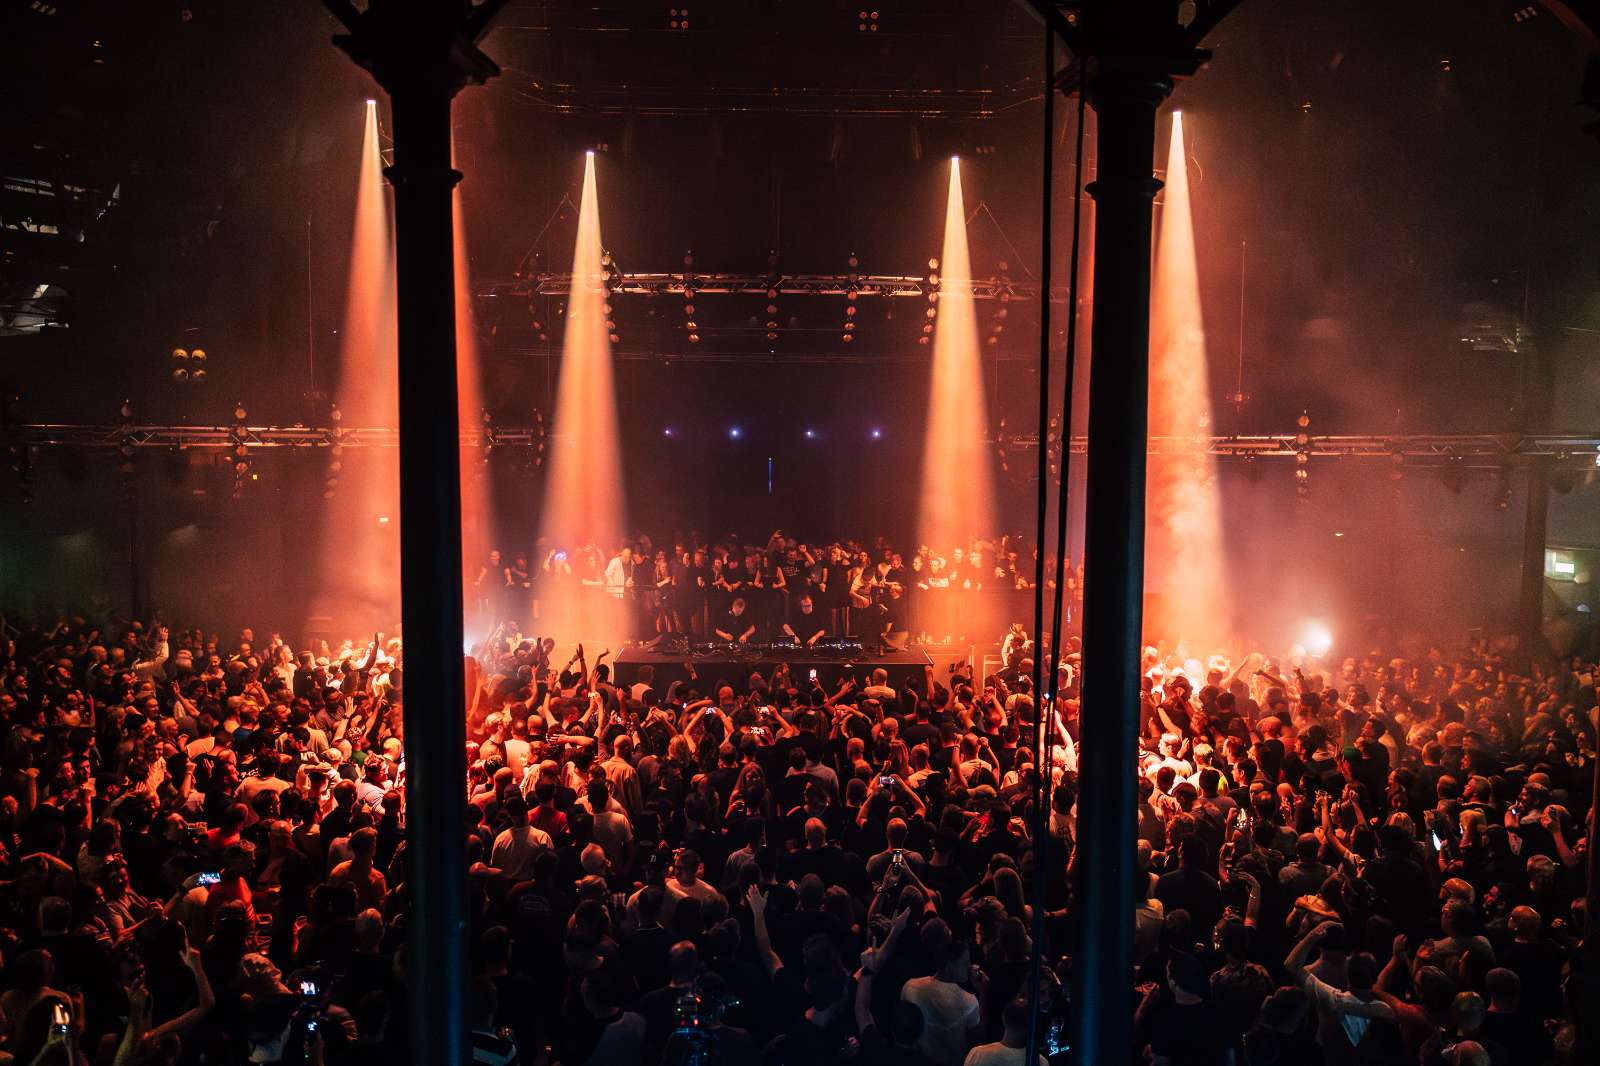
{"points": [[948, 1011], [997, 1054], [613, 832], [516, 848]]}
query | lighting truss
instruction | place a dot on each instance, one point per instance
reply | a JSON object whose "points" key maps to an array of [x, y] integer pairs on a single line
{"points": [[673, 284], [1462, 450], [253, 437], [1480, 450]]}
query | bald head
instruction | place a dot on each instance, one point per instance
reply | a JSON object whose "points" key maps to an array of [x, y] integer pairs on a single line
{"points": [[683, 962]]}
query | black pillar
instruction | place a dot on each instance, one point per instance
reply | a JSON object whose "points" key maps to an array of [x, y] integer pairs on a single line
{"points": [[430, 572], [423, 52], [1530, 605], [1125, 103]]}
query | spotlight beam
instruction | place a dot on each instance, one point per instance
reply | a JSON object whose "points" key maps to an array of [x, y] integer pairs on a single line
{"points": [[359, 559], [957, 498], [1183, 523], [583, 499]]}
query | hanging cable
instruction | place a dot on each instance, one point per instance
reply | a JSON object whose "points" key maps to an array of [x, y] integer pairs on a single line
{"points": [[1041, 822], [1045, 748]]}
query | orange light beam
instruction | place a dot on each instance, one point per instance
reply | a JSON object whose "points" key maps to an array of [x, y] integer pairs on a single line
{"points": [[957, 499], [583, 500], [359, 589], [477, 503], [1184, 564]]}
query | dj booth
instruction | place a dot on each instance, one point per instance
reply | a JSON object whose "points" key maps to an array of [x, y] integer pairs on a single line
{"points": [[716, 664]]}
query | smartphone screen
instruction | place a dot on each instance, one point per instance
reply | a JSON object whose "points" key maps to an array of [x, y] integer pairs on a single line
{"points": [[209, 879], [813, 673]]}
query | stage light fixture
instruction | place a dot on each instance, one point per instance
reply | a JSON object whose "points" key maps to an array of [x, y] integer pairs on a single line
{"points": [[811, 434], [734, 432], [875, 433], [1317, 639], [668, 432], [239, 413]]}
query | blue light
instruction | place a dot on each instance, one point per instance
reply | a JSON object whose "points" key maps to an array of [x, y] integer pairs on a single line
{"points": [[811, 434], [734, 432], [877, 434], [668, 432]]}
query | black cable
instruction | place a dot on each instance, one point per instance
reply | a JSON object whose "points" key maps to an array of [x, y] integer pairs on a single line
{"points": [[1041, 822], [1048, 754]]}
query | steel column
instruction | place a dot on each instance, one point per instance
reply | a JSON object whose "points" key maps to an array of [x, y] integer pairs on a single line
{"points": [[430, 573], [1102, 910]]}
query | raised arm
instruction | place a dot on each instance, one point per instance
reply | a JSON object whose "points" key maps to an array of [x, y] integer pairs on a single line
{"points": [[1296, 962], [205, 1000], [758, 916]]}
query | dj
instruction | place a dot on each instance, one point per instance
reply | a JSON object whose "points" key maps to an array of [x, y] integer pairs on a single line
{"points": [[807, 627], [736, 626]]}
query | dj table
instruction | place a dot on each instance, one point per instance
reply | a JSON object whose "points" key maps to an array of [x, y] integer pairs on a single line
{"points": [[732, 665]]}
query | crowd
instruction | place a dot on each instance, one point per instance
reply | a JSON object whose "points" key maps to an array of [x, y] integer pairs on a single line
{"points": [[202, 858], [853, 587]]}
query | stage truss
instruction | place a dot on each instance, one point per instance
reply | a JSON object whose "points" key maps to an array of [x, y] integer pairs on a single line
{"points": [[1483, 450]]}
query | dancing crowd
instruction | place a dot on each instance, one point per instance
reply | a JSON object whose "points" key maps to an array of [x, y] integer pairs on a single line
{"points": [[1378, 859]]}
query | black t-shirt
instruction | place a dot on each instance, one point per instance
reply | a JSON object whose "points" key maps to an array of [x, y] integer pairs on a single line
{"points": [[879, 1050], [735, 625], [806, 626], [1185, 1034], [1195, 891]]}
